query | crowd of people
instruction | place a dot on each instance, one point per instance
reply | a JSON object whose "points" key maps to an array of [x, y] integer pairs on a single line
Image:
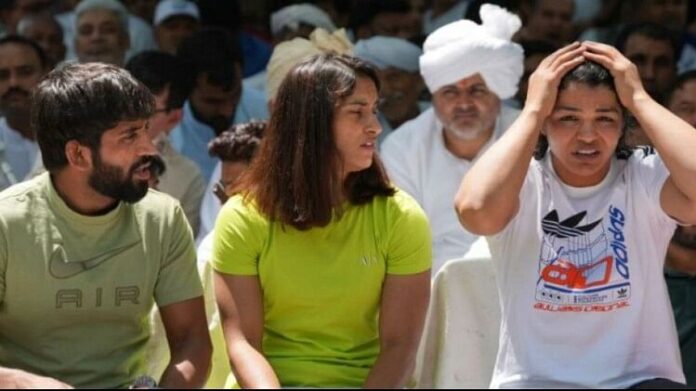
{"points": [[189, 199]]}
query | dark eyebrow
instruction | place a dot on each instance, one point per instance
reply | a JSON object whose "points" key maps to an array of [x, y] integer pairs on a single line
{"points": [[575, 109]]}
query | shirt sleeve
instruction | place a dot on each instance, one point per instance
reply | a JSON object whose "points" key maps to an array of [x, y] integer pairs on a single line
{"points": [[178, 278], [409, 249], [238, 239], [651, 173]]}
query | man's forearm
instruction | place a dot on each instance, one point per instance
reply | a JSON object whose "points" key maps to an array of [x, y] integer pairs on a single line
{"points": [[189, 365]]}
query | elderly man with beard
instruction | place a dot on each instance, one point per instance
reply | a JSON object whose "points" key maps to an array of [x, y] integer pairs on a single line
{"points": [[86, 249], [468, 68], [22, 64]]}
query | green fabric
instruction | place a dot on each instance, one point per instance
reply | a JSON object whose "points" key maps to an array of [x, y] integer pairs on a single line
{"points": [[322, 287], [76, 291], [682, 293]]}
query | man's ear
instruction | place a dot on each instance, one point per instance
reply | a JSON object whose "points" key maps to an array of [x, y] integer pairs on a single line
{"points": [[78, 156]]}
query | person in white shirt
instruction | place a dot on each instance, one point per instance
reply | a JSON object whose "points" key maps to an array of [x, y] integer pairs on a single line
{"points": [[578, 237], [468, 68], [22, 65]]}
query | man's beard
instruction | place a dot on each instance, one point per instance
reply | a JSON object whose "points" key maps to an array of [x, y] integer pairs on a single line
{"points": [[108, 180], [218, 123], [7, 107]]}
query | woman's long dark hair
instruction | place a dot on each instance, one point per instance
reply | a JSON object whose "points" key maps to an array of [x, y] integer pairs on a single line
{"points": [[593, 75], [295, 177]]}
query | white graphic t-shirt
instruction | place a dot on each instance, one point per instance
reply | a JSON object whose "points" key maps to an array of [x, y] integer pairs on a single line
{"points": [[579, 270]]}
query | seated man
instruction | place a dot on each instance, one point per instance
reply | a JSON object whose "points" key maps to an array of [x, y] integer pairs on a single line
{"points": [[218, 99], [468, 68], [87, 249], [397, 62]]}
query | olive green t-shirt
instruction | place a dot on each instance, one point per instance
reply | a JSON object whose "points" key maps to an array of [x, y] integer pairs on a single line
{"points": [[322, 287], [76, 291]]}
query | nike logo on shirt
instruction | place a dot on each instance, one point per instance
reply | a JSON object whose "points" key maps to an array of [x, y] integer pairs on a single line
{"points": [[61, 268]]}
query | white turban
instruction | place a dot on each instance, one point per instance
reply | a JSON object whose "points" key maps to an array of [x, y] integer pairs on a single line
{"points": [[292, 15], [290, 53], [385, 52], [463, 48]]}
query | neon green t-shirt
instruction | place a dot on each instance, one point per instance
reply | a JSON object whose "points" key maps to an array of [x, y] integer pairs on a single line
{"points": [[322, 287], [76, 291]]}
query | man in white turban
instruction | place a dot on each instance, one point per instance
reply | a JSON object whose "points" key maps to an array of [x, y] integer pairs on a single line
{"points": [[396, 60], [468, 68]]}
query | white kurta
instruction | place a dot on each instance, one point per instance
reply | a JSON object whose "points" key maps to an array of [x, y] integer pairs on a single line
{"points": [[418, 162]]}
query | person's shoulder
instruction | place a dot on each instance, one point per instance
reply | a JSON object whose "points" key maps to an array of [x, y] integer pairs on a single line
{"points": [[183, 168], [399, 204], [24, 198], [156, 204], [243, 208], [19, 192], [411, 134]]}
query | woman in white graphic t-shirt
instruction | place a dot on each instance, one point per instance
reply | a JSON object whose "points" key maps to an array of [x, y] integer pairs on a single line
{"points": [[578, 236]]}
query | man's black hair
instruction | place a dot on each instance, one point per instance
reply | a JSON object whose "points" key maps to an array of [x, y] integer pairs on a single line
{"points": [[159, 70]]}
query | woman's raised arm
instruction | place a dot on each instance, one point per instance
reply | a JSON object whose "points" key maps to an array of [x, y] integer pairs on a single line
{"points": [[488, 197]]}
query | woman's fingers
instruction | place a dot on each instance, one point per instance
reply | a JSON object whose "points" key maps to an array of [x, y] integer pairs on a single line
{"points": [[564, 58], [602, 59], [553, 56]]}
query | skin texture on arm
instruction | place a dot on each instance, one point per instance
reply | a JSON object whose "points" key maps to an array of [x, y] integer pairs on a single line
{"points": [[673, 138], [18, 379], [402, 315], [240, 302], [189, 343], [488, 197]]}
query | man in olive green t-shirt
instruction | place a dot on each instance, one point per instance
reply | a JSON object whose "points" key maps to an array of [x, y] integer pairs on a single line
{"points": [[86, 249]]}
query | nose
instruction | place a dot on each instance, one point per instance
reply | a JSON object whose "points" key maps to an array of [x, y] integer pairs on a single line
{"points": [[374, 125], [147, 145], [586, 133]]}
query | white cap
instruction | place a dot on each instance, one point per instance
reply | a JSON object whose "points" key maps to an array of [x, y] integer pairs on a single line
{"points": [[292, 15], [389, 52], [168, 8]]}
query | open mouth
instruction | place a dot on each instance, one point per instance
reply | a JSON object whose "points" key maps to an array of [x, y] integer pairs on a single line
{"points": [[142, 172], [586, 154]]}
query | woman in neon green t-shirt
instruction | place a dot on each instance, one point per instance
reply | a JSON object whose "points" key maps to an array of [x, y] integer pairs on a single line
{"points": [[322, 267]]}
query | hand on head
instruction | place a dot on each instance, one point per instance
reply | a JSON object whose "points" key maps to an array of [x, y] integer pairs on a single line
{"points": [[625, 73], [544, 82]]}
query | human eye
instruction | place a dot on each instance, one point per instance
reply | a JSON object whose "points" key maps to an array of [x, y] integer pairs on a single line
{"points": [[568, 119]]}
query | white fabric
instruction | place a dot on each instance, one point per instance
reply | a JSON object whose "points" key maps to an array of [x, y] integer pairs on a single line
{"points": [[460, 339], [290, 53], [418, 162], [292, 15], [183, 181], [18, 152], [584, 301], [210, 206], [141, 35], [168, 8], [464, 48], [389, 52], [453, 14]]}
